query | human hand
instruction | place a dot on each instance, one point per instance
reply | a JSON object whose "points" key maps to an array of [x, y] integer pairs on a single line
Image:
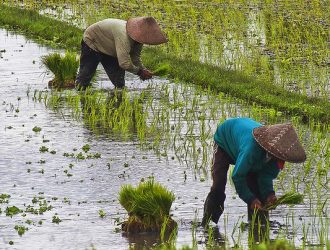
{"points": [[145, 74], [271, 200], [256, 204]]}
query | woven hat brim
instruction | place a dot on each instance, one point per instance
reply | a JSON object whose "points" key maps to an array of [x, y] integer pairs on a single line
{"points": [[145, 30], [281, 141]]}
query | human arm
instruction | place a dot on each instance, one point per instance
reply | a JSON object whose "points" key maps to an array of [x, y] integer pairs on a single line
{"points": [[265, 182], [123, 49], [135, 55], [136, 59], [239, 176]]}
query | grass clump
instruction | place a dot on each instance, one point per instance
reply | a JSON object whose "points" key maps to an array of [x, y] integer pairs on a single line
{"points": [[162, 70], [148, 206], [63, 67], [290, 198]]}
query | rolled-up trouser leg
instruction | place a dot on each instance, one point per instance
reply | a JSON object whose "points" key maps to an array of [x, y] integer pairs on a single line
{"points": [[89, 59], [115, 73], [214, 203], [252, 182]]}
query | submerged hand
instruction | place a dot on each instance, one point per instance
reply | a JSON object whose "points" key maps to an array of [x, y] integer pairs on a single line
{"points": [[145, 74], [271, 200], [256, 204]]}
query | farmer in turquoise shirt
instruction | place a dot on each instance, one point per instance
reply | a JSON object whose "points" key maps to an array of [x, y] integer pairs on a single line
{"points": [[258, 153]]}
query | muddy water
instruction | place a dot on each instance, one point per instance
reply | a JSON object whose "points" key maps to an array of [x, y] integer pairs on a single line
{"points": [[77, 189], [92, 186]]}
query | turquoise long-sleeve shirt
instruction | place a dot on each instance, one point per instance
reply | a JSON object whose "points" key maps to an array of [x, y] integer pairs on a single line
{"points": [[235, 137]]}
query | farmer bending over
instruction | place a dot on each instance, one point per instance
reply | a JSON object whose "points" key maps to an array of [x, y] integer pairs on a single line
{"points": [[259, 153], [117, 44]]}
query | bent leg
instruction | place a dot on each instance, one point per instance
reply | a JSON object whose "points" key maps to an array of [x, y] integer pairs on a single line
{"points": [[89, 59], [115, 73], [214, 203]]}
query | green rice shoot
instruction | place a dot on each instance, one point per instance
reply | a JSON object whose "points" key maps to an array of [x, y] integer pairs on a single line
{"points": [[64, 67], [162, 70], [150, 202], [290, 198]]}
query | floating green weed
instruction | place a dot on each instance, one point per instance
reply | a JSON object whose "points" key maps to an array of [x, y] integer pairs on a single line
{"points": [[86, 148], [36, 129], [43, 149], [102, 213], [21, 229], [56, 219], [4, 198], [13, 210]]}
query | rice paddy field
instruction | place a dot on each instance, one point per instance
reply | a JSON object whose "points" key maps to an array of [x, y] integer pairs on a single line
{"points": [[66, 154]]}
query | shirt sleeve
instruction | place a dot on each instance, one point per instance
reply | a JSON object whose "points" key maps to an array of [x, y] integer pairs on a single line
{"points": [[123, 49], [241, 170], [136, 55], [265, 179]]}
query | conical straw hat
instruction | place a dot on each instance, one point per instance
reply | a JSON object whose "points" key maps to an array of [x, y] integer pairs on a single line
{"points": [[281, 141], [145, 30]]}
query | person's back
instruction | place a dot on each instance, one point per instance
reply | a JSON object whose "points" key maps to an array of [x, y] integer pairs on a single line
{"points": [[235, 135], [101, 36], [117, 45]]}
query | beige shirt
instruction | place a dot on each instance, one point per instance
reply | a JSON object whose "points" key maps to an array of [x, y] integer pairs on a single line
{"points": [[110, 37]]}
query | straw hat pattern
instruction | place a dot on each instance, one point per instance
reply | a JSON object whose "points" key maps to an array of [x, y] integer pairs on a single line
{"points": [[145, 30], [281, 141]]}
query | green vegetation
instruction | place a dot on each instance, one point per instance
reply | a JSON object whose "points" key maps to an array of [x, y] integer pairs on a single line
{"points": [[162, 70], [64, 69], [13, 210], [21, 229], [56, 219], [290, 198], [148, 206], [102, 213], [43, 149], [36, 129], [239, 84], [283, 70], [4, 198]]}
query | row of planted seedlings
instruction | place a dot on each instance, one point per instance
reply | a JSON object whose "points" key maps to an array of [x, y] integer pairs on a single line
{"points": [[270, 40], [182, 119]]}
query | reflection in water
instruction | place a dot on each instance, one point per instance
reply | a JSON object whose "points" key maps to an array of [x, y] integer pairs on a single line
{"points": [[149, 240], [214, 238], [142, 240]]}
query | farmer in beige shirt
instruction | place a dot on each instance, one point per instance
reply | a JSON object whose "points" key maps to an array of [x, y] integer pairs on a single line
{"points": [[117, 44]]}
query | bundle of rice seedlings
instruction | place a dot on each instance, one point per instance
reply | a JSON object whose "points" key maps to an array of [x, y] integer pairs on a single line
{"points": [[290, 198], [64, 69], [162, 70], [148, 206]]}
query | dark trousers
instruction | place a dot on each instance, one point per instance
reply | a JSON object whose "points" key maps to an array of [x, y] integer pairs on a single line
{"points": [[89, 60], [220, 166]]}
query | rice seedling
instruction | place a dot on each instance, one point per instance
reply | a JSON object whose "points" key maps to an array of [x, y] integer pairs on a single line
{"points": [[290, 198], [162, 70], [64, 69], [185, 66], [148, 206], [185, 111]]}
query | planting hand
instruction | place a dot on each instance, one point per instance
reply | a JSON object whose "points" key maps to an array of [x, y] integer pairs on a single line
{"points": [[271, 200], [144, 74], [256, 204]]}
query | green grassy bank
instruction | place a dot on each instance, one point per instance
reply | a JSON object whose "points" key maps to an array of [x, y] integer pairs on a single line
{"points": [[60, 34]]}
